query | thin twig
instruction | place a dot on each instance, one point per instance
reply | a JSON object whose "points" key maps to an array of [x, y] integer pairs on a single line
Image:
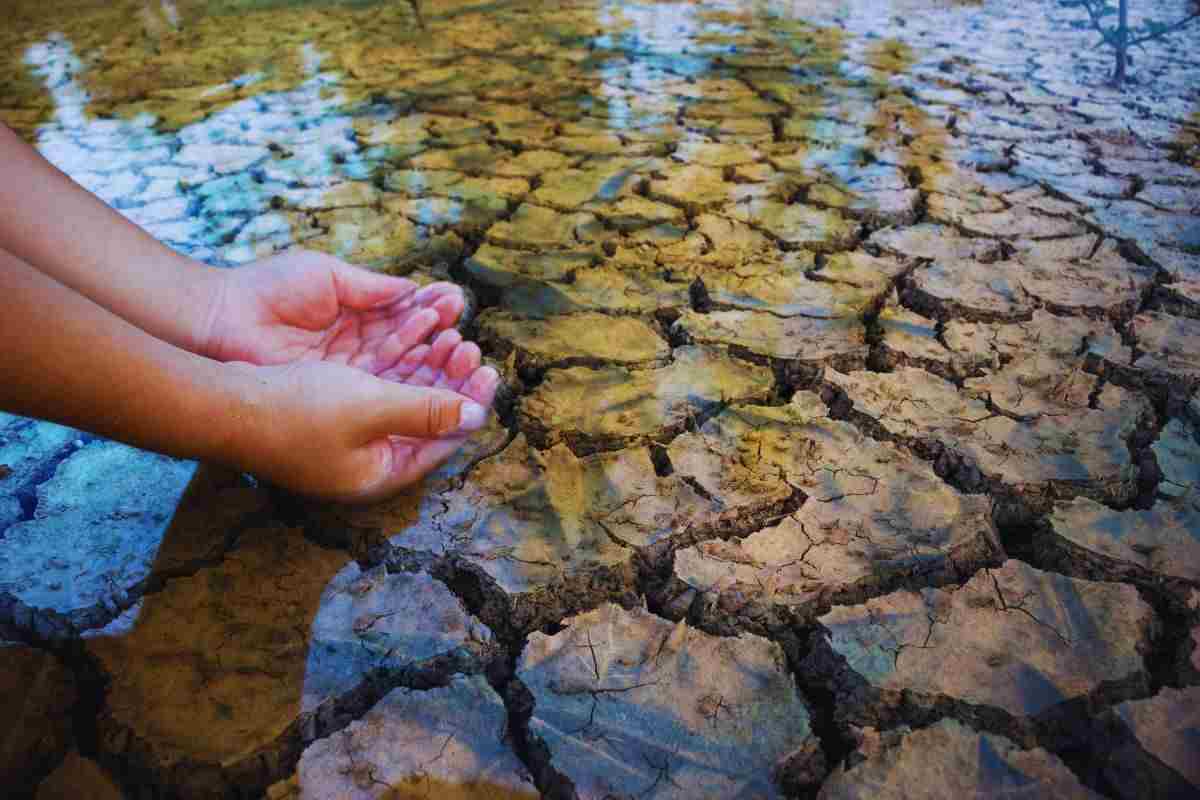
{"points": [[1164, 31]]}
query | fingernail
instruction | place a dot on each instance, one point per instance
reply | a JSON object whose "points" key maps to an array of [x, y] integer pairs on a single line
{"points": [[471, 417]]}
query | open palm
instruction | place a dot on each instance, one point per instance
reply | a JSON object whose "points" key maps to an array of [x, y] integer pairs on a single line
{"points": [[307, 306]]}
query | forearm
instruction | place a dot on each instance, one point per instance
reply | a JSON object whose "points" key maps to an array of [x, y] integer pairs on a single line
{"points": [[68, 360], [63, 230]]}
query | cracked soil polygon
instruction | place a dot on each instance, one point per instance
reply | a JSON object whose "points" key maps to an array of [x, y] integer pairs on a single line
{"points": [[1086, 453], [599, 409], [874, 516], [951, 760], [1012, 638], [631, 704], [445, 742]]}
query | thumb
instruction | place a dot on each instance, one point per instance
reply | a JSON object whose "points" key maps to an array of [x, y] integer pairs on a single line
{"points": [[362, 289], [421, 412]]}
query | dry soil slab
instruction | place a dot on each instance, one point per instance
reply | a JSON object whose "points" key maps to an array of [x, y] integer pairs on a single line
{"points": [[1156, 547], [1013, 639], [801, 199], [873, 516], [1159, 753], [631, 704], [610, 407], [78, 776], [950, 760], [447, 741], [584, 339], [106, 530], [1069, 452]]}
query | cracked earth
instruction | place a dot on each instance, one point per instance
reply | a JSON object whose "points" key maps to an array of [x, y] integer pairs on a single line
{"points": [[848, 445]]}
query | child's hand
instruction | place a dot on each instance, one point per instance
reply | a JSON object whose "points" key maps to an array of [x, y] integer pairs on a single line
{"points": [[332, 431], [307, 306]]}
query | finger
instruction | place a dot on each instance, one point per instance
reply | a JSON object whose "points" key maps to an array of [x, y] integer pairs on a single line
{"points": [[462, 362], [396, 409], [443, 345], [409, 461], [362, 289], [466, 359], [482, 386], [413, 460], [447, 300], [409, 363], [449, 308], [412, 332], [376, 325], [381, 321], [427, 295]]}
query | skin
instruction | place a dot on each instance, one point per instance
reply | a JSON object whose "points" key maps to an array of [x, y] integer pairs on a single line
{"points": [[319, 376]]}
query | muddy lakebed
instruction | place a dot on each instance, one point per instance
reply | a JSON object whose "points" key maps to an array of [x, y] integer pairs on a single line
{"points": [[849, 443]]}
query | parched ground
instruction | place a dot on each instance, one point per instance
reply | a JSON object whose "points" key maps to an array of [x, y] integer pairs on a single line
{"points": [[849, 446]]}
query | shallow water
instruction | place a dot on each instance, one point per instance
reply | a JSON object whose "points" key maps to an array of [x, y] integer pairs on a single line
{"points": [[808, 314]]}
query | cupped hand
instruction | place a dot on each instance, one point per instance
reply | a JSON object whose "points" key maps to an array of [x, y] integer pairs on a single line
{"points": [[333, 431], [306, 306], [359, 373]]}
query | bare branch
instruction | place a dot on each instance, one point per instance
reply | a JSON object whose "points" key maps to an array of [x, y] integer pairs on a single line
{"points": [[1172, 28], [1093, 8]]}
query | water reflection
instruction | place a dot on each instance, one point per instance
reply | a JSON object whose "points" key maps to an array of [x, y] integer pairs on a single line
{"points": [[258, 175], [253, 642], [658, 31]]}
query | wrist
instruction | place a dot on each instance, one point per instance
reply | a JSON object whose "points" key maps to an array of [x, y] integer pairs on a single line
{"points": [[239, 433], [204, 289]]}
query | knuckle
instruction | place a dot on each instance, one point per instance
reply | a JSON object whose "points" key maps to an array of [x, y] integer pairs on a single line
{"points": [[441, 416], [431, 415]]}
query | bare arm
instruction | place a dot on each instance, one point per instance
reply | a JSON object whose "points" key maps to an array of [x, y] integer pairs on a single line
{"points": [[51, 222], [315, 427], [69, 360]]}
